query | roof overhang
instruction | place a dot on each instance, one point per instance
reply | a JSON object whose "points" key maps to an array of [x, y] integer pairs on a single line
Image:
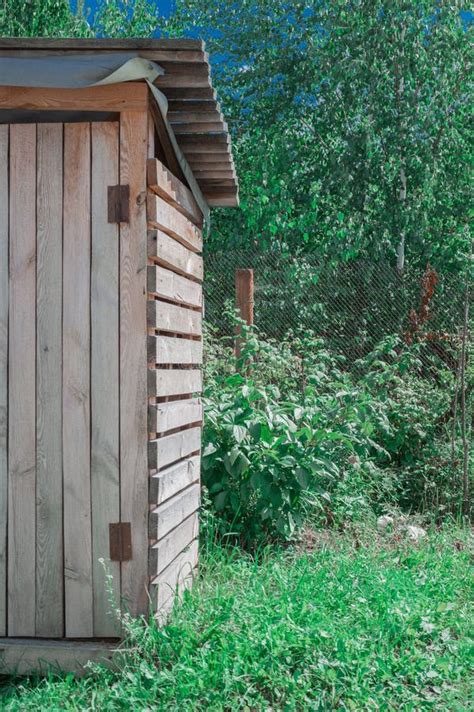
{"points": [[179, 69]]}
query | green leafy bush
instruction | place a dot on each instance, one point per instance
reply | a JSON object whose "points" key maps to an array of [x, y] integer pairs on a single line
{"points": [[292, 432]]}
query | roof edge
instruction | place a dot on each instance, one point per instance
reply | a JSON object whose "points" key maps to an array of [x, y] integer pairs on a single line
{"points": [[100, 44]]}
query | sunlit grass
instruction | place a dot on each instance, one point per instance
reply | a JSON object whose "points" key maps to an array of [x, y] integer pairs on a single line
{"points": [[366, 623]]}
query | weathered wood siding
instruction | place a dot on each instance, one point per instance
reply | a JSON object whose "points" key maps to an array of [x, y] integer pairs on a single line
{"points": [[100, 375], [175, 273], [73, 377]]}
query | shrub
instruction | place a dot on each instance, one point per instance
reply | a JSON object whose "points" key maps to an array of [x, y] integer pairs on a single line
{"points": [[291, 432]]}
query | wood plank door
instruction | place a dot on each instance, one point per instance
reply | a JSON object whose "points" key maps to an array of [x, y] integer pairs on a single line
{"points": [[63, 349]]}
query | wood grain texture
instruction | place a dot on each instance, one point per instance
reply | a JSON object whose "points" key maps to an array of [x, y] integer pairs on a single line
{"points": [[20, 656], [162, 182], [169, 317], [191, 127], [133, 360], [174, 579], [166, 251], [4, 141], [107, 45], [169, 515], [223, 201], [22, 383], [167, 549], [168, 285], [168, 482], [165, 217], [107, 97], [196, 160], [49, 476], [76, 382], [170, 448], [174, 414], [174, 382], [105, 479], [167, 349], [206, 114]]}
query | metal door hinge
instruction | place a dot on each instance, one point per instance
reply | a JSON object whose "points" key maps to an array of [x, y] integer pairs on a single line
{"points": [[118, 209], [120, 540]]}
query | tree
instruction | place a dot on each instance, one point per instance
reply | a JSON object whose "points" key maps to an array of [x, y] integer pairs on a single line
{"points": [[350, 123], [41, 18]]}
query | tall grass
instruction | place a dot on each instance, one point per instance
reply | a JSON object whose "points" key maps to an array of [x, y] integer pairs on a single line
{"points": [[365, 622]]}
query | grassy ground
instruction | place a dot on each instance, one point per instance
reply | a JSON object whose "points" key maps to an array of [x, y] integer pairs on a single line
{"points": [[354, 625]]}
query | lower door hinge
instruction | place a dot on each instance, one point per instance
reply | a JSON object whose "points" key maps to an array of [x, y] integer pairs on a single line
{"points": [[120, 540]]}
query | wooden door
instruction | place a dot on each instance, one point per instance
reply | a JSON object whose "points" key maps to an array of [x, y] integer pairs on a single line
{"points": [[67, 297]]}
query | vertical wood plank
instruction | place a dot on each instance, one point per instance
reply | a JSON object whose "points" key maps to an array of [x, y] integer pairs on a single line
{"points": [[49, 528], [22, 382], [76, 382], [3, 373], [133, 360], [104, 376]]}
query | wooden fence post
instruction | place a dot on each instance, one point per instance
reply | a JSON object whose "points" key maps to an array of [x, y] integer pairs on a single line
{"points": [[244, 289]]}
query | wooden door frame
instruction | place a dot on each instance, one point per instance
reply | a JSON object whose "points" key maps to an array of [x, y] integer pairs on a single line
{"points": [[126, 96], [131, 102]]}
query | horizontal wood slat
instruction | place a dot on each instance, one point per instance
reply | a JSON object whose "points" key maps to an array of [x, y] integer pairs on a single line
{"points": [[196, 105], [176, 578], [169, 285], [187, 81], [162, 182], [223, 201], [132, 96], [167, 218], [191, 128], [167, 549], [167, 516], [173, 382], [168, 482], [100, 45], [199, 94], [208, 115], [169, 317], [169, 253], [170, 448], [215, 139], [210, 173], [174, 414], [168, 349], [197, 69], [197, 159]]}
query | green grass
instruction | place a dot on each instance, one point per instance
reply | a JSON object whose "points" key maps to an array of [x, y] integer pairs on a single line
{"points": [[377, 625]]}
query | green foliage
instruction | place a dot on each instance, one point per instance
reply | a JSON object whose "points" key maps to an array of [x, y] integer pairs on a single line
{"points": [[300, 435], [55, 18], [41, 18], [382, 626], [127, 18], [330, 104]]}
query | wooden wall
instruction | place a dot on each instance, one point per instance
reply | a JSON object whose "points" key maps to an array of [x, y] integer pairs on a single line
{"points": [[100, 375], [174, 273]]}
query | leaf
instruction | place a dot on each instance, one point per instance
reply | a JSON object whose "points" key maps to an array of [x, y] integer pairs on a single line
{"points": [[302, 477], [220, 501], [239, 433]]}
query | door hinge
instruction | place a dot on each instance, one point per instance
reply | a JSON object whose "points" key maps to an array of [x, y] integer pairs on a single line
{"points": [[120, 540], [118, 209]]}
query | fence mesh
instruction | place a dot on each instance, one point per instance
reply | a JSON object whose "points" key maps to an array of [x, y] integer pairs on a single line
{"points": [[352, 306]]}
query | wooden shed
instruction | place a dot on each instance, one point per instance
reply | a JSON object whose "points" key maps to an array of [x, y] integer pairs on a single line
{"points": [[111, 154]]}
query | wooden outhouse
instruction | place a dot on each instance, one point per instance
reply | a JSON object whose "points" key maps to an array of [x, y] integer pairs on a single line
{"points": [[111, 154]]}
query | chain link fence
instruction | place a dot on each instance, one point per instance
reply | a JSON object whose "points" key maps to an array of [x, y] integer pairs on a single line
{"points": [[351, 306]]}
